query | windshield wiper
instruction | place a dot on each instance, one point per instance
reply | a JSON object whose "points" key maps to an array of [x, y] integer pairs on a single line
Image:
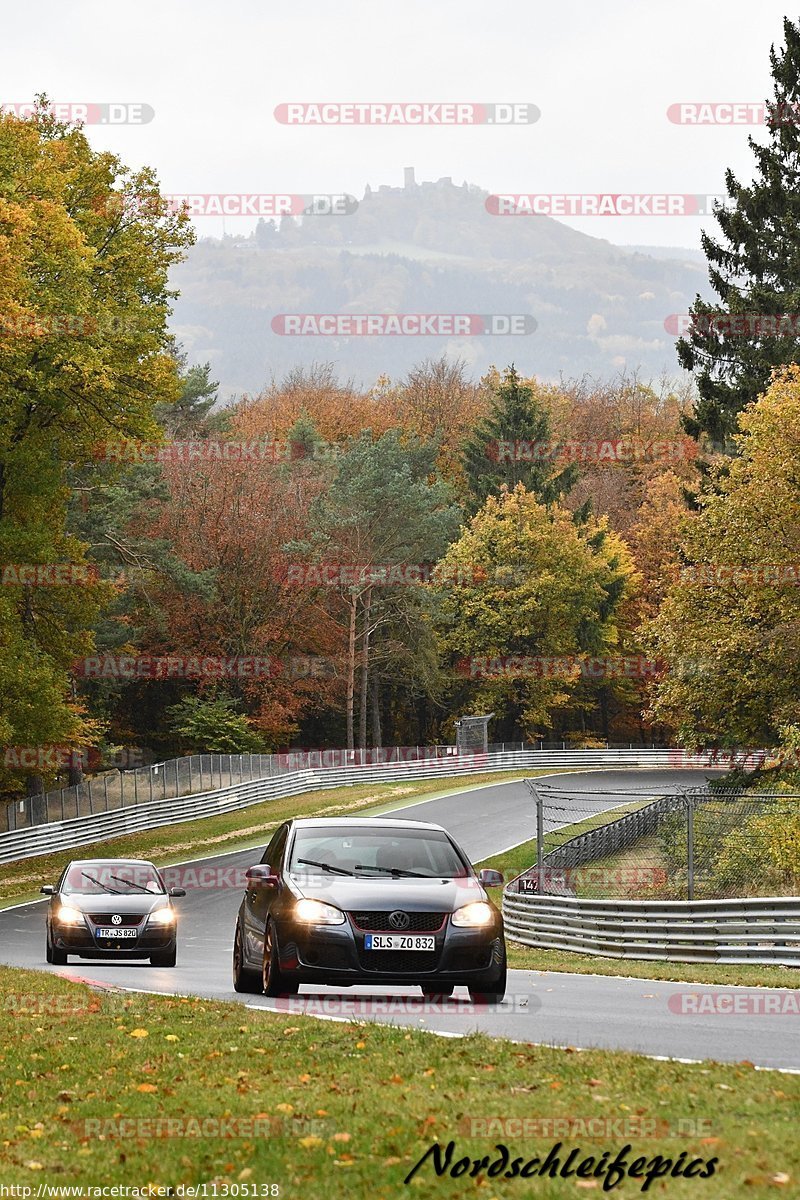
{"points": [[91, 878], [392, 871], [128, 883], [310, 862]]}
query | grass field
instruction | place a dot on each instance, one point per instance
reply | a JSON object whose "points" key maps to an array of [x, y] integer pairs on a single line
{"points": [[328, 1110]]}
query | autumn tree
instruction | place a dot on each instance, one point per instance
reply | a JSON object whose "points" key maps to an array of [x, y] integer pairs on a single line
{"points": [[729, 627], [383, 506], [654, 538], [85, 250], [339, 410], [228, 523], [437, 400], [627, 431], [525, 596]]}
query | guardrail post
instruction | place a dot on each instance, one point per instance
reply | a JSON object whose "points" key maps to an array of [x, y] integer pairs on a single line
{"points": [[689, 847], [105, 791], [539, 841]]}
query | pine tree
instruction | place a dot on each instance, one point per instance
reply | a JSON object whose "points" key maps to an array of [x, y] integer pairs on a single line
{"points": [[754, 268], [189, 414], [514, 444]]}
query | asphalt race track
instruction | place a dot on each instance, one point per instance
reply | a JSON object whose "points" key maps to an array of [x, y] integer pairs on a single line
{"points": [[566, 1010]]}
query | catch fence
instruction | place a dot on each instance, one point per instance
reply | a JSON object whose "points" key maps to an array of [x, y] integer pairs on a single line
{"points": [[703, 843]]}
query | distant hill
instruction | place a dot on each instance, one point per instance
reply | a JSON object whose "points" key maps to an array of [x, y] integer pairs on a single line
{"points": [[431, 248]]}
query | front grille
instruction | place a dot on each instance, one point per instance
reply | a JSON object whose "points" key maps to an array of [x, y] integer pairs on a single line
{"points": [[106, 918], [419, 922], [399, 962]]}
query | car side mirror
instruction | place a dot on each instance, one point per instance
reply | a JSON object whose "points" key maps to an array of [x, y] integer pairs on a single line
{"points": [[491, 878], [48, 890], [261, 876], [176, 891]]}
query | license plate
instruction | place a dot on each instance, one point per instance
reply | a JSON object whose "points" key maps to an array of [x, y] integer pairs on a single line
{"points": [[398, 941], [114, 931]]}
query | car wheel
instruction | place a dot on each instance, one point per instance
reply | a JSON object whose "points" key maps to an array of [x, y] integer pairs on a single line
{"points": [[48, 949], [429, 990], [243, 980], [492, 989], [166, 958], [59, 958], [275, 982]]}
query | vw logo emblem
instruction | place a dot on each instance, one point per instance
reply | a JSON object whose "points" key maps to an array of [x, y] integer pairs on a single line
{"points": [[399, 920], [116, 919]]}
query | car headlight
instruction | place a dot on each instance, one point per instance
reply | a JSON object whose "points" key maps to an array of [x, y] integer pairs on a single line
{"points": [[314, 912], [67, 915], [161, 916], [474, 915]]}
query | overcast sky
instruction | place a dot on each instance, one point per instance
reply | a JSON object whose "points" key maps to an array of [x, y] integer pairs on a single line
{"points": [[603, 76]]}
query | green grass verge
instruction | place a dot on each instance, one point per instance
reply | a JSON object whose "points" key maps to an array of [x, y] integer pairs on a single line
{"points": [[529, 958], [227, 832], [348, 1109]]}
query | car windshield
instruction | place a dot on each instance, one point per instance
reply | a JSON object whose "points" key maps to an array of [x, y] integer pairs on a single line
{"points": [[96, 878], [374, 853]]}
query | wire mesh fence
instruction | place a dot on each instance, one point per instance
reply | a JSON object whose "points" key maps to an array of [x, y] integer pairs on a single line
{"points": [[121, 789], [694, 844], [192, 774]]}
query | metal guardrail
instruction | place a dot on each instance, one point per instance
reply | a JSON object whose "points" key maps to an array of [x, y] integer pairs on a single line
{"points": [[763, 930], [196, 773], [82, 831]]}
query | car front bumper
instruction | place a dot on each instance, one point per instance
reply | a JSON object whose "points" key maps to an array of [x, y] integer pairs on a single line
{"points": [[85, 942], [335, 954]]}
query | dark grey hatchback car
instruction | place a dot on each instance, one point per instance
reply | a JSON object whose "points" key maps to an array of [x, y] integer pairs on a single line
{"points": [[111, 908], [348, 900]]}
